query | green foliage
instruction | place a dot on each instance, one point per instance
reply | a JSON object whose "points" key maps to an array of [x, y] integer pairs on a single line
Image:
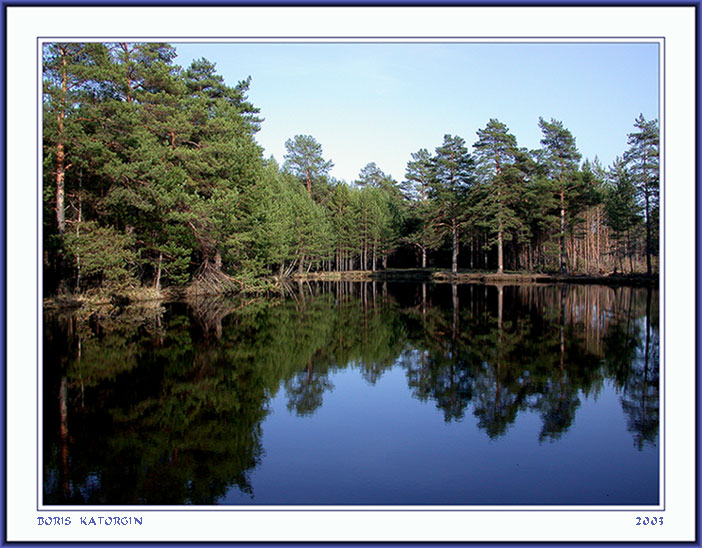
{"points": [[421, 230], [642, 160], [164, 155], [380, 212], [450, 190], [621, 209], [559, 157], [102, 251], [502, 183], [559, 153], [273, 235], [418, 175], [452, 176], [304, 160]]}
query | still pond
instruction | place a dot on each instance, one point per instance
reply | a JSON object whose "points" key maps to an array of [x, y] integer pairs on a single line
{"points": [[358, 394]]}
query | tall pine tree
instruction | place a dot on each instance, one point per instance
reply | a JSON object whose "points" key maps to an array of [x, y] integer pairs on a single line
{"points": [[452, 181], [560, 157], [642, 159], [496, 156], [305, 161]]}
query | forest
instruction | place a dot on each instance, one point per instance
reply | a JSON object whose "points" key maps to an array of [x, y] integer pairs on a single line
{"points": [[153, 178]]}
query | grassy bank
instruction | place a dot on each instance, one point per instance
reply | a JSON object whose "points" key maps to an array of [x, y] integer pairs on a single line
{"points": [[446, 276], [126, 296]]}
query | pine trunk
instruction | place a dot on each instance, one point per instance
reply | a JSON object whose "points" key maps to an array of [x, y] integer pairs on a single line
{"points": [[60, 185], [60, 151], [454, 254], [500, 251], [157, 283], [648, 233], [564, 269], [80, 220]]}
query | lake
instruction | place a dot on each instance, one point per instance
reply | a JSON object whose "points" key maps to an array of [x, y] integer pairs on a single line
{"points": [[364, 393]]}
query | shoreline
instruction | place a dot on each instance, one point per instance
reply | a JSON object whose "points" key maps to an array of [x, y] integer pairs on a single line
{"points": [[507, 278], [177, 293]]}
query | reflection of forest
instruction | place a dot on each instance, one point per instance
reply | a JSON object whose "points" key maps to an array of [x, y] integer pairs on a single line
{"points": [[538, 348], [165, 405]]}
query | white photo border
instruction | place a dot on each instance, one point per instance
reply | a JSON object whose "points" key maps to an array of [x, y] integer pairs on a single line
{"points": [[28, 27]]}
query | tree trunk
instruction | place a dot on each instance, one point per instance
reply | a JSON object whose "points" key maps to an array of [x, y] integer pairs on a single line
{"points": [[80, 220], [500, 251], [454, 247], [60, 185], [60, 151], [564, 268], [157, 283], [648, 230], [471, 251], [629, 251], [597, 240], [485, 253], [500, 256]]}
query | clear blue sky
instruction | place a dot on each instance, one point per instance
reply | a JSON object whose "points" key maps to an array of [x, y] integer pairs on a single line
{"points": [[381, 102]]}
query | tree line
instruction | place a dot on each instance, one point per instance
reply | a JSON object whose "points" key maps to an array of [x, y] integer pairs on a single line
{"points": [[153, 177]]}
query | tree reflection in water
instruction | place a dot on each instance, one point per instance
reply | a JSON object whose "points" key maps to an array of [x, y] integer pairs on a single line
{"points": [[164, 405]]}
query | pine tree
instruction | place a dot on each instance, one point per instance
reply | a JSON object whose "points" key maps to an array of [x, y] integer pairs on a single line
{"points": [[341, 211], [73, 86], [382, 214], [305, 161], [642, 159], [560, 157], [451, 183], [501, 181], [418, 177], [621, 210]]}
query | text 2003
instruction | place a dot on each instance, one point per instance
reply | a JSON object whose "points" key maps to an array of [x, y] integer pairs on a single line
{"points": [[649, 521]]}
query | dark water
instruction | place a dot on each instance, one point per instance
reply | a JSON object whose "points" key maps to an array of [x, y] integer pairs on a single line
{"points": [[402, 394]]}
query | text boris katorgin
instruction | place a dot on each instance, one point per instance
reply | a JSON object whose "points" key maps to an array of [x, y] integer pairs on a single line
{"points": [[109, 521]]}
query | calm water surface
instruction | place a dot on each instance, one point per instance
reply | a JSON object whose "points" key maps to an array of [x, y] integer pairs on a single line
{"points": [[363, 393]]}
